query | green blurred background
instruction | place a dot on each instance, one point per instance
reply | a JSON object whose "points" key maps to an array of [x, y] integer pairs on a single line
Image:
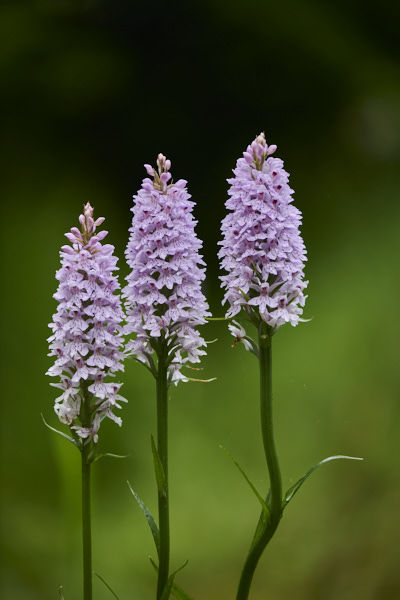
{"points": [[92, 90]]}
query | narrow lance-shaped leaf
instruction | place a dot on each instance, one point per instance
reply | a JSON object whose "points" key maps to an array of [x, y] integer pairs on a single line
{"points": [[175, 590], [179, 593], [107, 586], [292, 491], [171, 587], [110, 455], [159, 470], [263, 523], [64, 435], [150, 519], [252, 487]]}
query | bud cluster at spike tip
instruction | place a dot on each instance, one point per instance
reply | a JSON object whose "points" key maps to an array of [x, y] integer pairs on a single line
{"points": [[262, 249], [164, 301], [87, 331]]}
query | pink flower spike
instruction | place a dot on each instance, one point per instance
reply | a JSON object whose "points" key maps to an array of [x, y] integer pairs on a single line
{"points": [[163, 296], [87, 341], [262, 250]]}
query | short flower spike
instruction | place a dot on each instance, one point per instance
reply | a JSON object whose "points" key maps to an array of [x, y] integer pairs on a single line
{"points": [[87, 331], [262, 249]]}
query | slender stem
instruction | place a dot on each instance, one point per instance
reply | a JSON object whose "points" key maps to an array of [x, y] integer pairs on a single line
{"points": [[86, 524], [265, 529], [85, 417], [267, 425], [163, 496]]}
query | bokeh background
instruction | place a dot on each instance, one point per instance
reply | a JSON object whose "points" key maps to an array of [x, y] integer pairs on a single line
{"points": [[92, 89]]}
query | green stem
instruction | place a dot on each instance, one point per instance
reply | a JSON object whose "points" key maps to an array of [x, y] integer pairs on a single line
{"points": [[163, 496], [86, 524], [266, 532]]}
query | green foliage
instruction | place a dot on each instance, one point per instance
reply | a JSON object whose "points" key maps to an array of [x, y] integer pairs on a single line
{"points": [[265, 508], [171, 587], [159, 470], [294, 489], [107, 586], [150, 519]]}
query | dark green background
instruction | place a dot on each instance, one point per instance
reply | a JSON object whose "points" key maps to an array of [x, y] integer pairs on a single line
{"points": [[91, 91]]}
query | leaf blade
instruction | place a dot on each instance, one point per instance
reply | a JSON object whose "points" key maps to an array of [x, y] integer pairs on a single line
{"points": [[170, 583], [180, 594], [110, 455], [175, 590], [294, 489], [159, 470], [64, 435], [252, 487], [106, 584], [150, 519]]}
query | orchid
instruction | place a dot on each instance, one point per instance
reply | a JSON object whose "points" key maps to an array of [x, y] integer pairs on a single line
{"points": [[87, 342], [164, 305], [163, 297], [262, 249], [87, 331]]}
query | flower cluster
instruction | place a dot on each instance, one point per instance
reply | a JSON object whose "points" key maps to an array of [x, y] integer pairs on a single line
{"points": [[87, 337], [262, 249], [164, 301]]}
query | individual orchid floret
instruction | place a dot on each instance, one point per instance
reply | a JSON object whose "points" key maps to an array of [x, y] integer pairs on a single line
{"points": [[239, 333], [164, 301], [262, 249], [87, 331]]}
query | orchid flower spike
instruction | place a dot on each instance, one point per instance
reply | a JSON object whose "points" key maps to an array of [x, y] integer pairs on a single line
{"points": [[87, 332], [262, 249], [164, 301]]}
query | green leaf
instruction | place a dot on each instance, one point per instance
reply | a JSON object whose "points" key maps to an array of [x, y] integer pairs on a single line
{"points": [[261, 527], [180, 594], [153, 564], [175, 590], [258, 496], [167, 589], [159, 470], [170, 583], [150, 519], [106, 584], [98, 456], [292, 491], [64, 435]]}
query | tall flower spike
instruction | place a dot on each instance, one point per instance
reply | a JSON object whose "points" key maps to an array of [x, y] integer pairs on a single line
{"points": [[262, 249], [87, 331], [164, 301]]}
